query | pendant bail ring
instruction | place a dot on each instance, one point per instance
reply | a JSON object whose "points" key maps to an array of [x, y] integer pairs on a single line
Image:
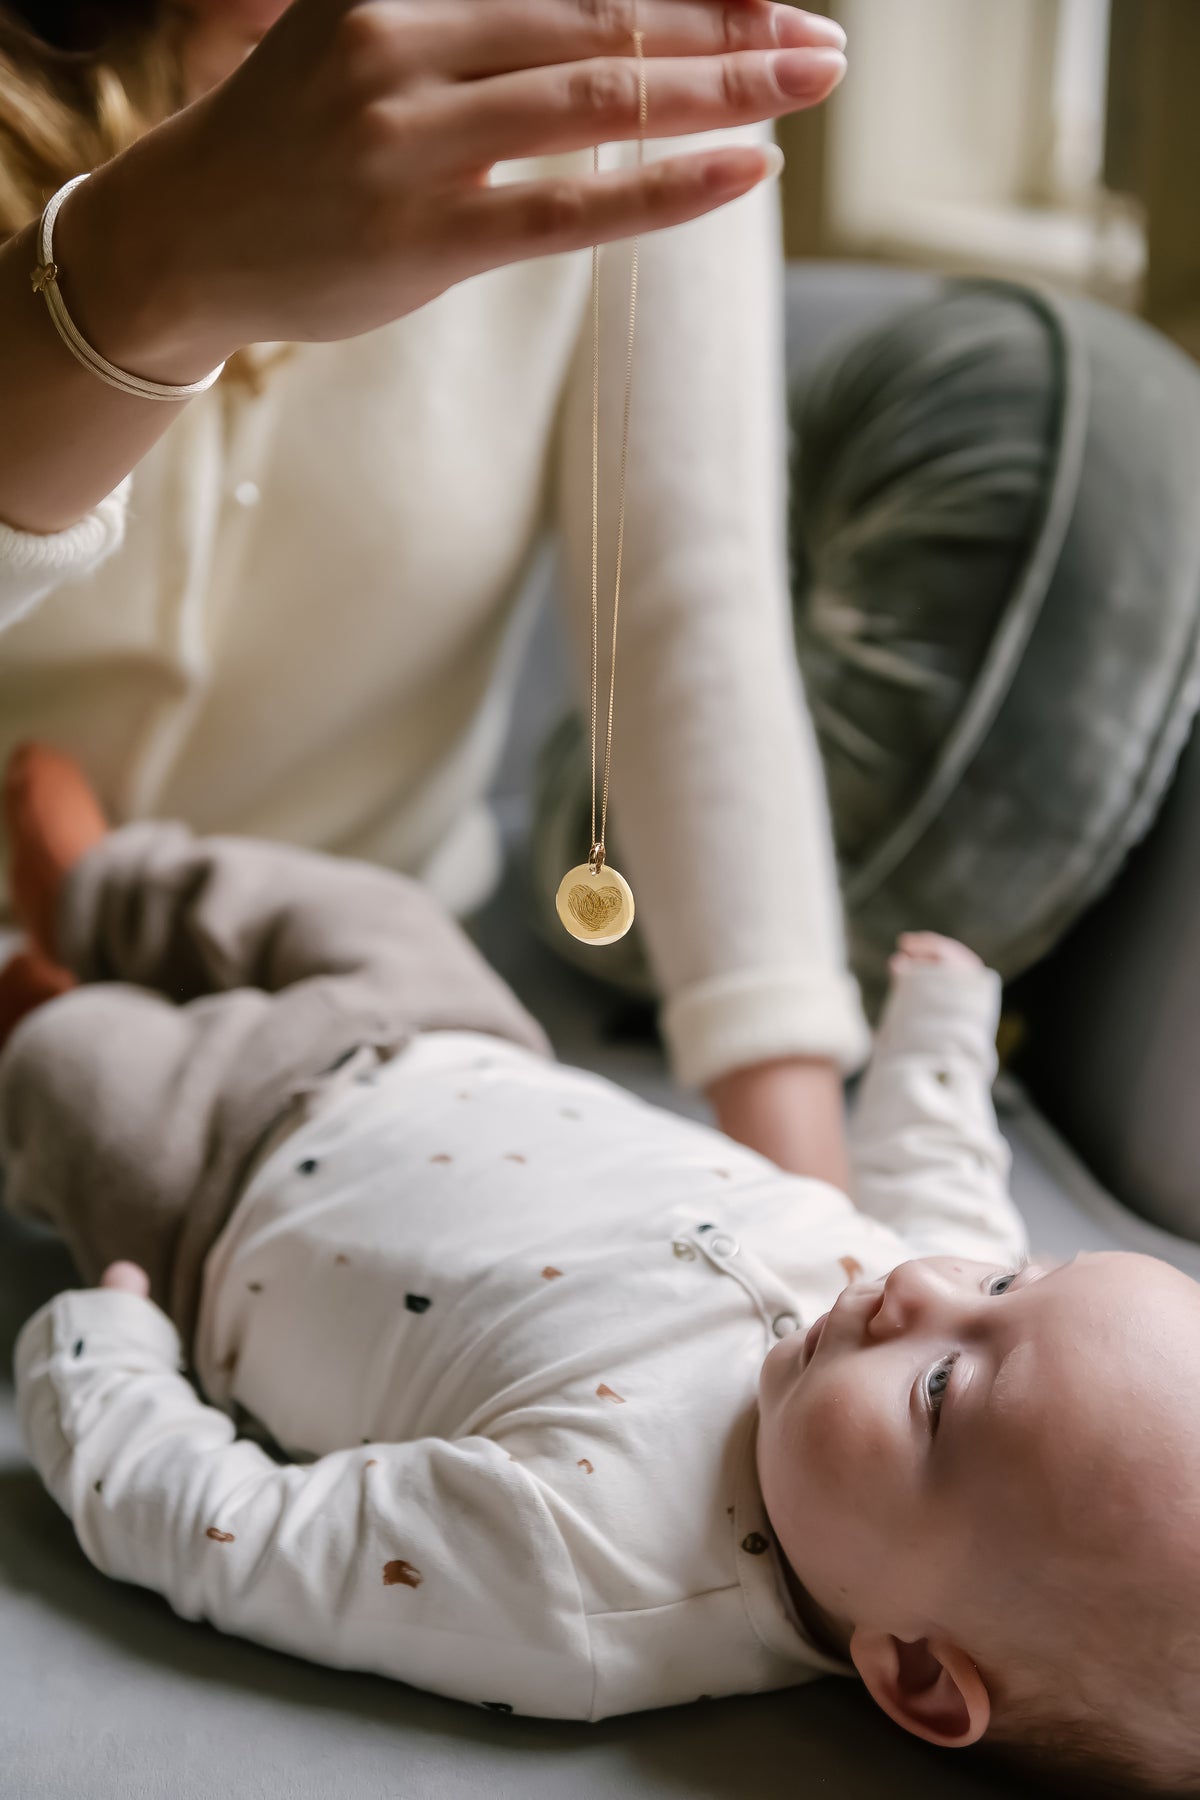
{"points": [[596, 858]]}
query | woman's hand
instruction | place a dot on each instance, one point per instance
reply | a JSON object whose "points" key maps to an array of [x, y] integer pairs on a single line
{"points": [[790, 1110], [340, 177]]}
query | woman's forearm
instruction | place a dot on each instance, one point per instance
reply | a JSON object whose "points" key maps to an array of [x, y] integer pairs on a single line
{"points": [[66, 438]]}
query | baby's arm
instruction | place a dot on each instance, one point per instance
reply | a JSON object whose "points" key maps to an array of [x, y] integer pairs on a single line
{"points": [[927, 1153], [434, 1562]]}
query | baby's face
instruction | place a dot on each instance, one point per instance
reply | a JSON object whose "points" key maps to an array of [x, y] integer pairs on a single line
{"points": [[957, 1425]]}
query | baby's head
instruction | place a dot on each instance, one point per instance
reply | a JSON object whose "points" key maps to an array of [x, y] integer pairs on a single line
{"points": [[988, 1483]]}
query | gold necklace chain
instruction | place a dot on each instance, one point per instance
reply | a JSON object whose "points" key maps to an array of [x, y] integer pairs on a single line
{"points": [[595, 906], [597, 853]]}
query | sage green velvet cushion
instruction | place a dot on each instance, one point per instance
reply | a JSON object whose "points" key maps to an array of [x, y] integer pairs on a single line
{"points": [[996, 537], [996, 568]]}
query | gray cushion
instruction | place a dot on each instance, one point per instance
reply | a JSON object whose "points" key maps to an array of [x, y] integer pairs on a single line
{"points": [[997, 550]]}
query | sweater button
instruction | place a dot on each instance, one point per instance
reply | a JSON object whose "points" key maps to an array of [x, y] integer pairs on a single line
{"points": [[784, 1325]]}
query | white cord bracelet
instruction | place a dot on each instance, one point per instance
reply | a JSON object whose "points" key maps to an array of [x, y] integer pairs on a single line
{"points": [[45, 282]]}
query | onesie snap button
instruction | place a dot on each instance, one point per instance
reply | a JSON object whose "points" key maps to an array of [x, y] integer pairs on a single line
{"points": [[784, 1325], [247, 493], [723, 1245]]}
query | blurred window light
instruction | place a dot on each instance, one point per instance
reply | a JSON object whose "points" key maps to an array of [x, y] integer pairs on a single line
{"points": [[1080, 87], [970, 135]]}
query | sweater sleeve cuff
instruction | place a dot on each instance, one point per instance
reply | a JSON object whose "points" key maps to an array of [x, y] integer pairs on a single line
{"points": [[734, 1021], [32, 563], [84, 1325], [938, 1010]]}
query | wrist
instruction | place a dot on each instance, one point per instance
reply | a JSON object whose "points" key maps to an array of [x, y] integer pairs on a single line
{"points": [[791, 1110], [129, 275]]}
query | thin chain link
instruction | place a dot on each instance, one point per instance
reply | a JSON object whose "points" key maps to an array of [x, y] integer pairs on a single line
{"points": [[596, 858]]}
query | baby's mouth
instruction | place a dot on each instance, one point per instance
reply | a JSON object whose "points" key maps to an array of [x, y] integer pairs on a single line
{"points": [[812, 1340]]}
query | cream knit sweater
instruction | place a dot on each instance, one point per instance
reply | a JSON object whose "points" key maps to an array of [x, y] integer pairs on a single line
{"points": [[298, 617]]}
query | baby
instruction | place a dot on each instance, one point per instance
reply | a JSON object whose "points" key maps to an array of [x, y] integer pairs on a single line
{"points": [[524, 1391]]}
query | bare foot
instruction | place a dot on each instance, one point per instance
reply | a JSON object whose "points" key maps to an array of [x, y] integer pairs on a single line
{"points": [[53, 819], [27, 982], [930, 947]]}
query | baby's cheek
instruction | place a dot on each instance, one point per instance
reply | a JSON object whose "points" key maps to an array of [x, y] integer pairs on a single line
{"points": [[846, 1449]]}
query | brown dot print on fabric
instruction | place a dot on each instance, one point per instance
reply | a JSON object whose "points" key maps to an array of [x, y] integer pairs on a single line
{"points": [[851, 1267], [604, 1392], [228, 1365], [462, 1096], [77, 1347], [370, 1462], [571, 1112], [723, 1173], [550, 1273], [219, 1537], [401, 1574], [441, 1157], [97, 1487], [943, 1076], [255, 1287], [309, 1166], [583, 1463], [513, 1156], [417, 1303], [341, 1260], [755, 1543]]}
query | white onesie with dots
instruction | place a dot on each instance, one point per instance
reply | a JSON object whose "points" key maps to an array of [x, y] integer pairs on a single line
{"points": [[509, 1321]]}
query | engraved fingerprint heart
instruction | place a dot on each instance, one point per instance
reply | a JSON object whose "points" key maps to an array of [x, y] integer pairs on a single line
{"points": [[594, 907]]}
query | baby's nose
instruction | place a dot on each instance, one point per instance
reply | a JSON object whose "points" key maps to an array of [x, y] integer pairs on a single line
{"points": [[912, 1293]]}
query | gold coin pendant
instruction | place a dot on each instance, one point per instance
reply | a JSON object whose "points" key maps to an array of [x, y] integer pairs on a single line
{"points": [[595, 908]]}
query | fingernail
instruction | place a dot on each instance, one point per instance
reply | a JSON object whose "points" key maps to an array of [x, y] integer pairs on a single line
{"points": [[802, 73], [773, 158], [796, 27]]}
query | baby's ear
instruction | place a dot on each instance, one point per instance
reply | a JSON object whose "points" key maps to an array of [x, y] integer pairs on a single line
{"points": [[930, 1686]]}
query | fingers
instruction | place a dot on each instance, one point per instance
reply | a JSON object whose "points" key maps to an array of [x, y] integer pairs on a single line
{"points": [[543, 218], [547, 112], [932, 947], [126, 1278], [467, 41]]}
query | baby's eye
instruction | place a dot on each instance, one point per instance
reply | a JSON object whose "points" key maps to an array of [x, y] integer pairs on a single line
{"points": [[937, 1385], [1002, 1283]]}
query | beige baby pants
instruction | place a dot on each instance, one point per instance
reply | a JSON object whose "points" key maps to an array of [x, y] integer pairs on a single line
{"points": [[222, 979]]}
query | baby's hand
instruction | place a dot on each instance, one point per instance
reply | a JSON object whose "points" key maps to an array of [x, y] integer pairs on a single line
{"points": [[925, 947], [127, 1278]]}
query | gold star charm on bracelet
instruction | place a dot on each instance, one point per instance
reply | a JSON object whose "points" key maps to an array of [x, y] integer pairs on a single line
{"points": [[594, 902]]}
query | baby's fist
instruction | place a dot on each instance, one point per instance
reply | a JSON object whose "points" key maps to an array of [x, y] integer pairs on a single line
{"points": [[127, 1278], [927, 947]]}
